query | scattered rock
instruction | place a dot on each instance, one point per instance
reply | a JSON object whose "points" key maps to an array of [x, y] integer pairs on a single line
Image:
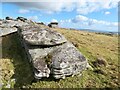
{"points": [[9, 18], [100, 62], [21, 18], [53, 24], [41, 23]]}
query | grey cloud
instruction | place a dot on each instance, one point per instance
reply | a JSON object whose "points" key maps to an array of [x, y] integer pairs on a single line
{"points": [[80, 6]]}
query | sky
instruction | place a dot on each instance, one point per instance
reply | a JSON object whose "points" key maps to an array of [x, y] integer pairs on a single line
{"points": [[78, 14]]}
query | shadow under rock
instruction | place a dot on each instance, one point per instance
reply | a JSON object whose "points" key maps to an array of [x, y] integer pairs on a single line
{"points": [[23, 69], [12, 49]]}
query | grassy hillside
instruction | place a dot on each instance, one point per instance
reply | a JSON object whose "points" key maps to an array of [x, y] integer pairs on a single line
{"points": [[17, 72]]}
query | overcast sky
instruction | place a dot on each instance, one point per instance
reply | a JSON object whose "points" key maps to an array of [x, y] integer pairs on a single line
{"points": [[79, 14]]}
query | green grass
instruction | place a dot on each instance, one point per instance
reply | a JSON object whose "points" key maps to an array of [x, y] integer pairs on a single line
{"points": [[14, 55], [91, 45]]}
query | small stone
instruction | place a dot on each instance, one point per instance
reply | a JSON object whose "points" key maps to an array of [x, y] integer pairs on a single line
{"points": [[21, 18], [100, 62], [9, 18]]}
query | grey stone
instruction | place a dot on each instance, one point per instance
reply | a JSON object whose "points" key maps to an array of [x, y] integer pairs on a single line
{"points": [[41, 23], [9, 18], [22, 19], [41, 69], [42, 36], [12, 23], [7, 30], [67, 60], [36, 56]]}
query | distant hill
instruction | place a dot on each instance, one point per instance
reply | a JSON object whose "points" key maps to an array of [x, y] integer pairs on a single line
{"points": [[98, 31]]}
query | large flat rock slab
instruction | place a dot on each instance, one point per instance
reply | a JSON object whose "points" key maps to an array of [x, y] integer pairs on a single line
{"points": [[6, 31], [12, 23], [42, 36]]}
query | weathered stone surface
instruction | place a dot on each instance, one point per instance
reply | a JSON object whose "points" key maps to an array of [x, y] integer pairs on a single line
{"points": [[41, 69], [12, 23], [64, 60], [37, 57], [67, 60], [7, 30], [42, 36]]}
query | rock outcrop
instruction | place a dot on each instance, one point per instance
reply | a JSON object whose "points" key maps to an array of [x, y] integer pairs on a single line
{"points": [[41, 36], [48, 51]]}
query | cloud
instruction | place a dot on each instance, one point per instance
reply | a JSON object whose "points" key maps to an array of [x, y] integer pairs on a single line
{"points": [[89, 6], [54, 20], [106, 13], [23, 11], [33, 18], [80, 19], [80, 6], [83, 22]]}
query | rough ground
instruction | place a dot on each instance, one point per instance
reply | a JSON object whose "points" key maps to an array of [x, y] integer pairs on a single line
{"points": [[16, 70]]}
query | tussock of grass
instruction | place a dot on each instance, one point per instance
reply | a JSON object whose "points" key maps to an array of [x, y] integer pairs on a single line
{"points": [[91, 45]]}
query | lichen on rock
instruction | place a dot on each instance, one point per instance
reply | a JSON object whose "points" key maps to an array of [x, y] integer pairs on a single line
{"points": [[49, 52]]}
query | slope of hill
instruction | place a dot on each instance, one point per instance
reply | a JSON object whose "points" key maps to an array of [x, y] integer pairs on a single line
{"points": [[17, 72]]}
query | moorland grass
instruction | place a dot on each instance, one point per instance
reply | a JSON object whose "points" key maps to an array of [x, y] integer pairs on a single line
{"points": [[15, 64]]}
